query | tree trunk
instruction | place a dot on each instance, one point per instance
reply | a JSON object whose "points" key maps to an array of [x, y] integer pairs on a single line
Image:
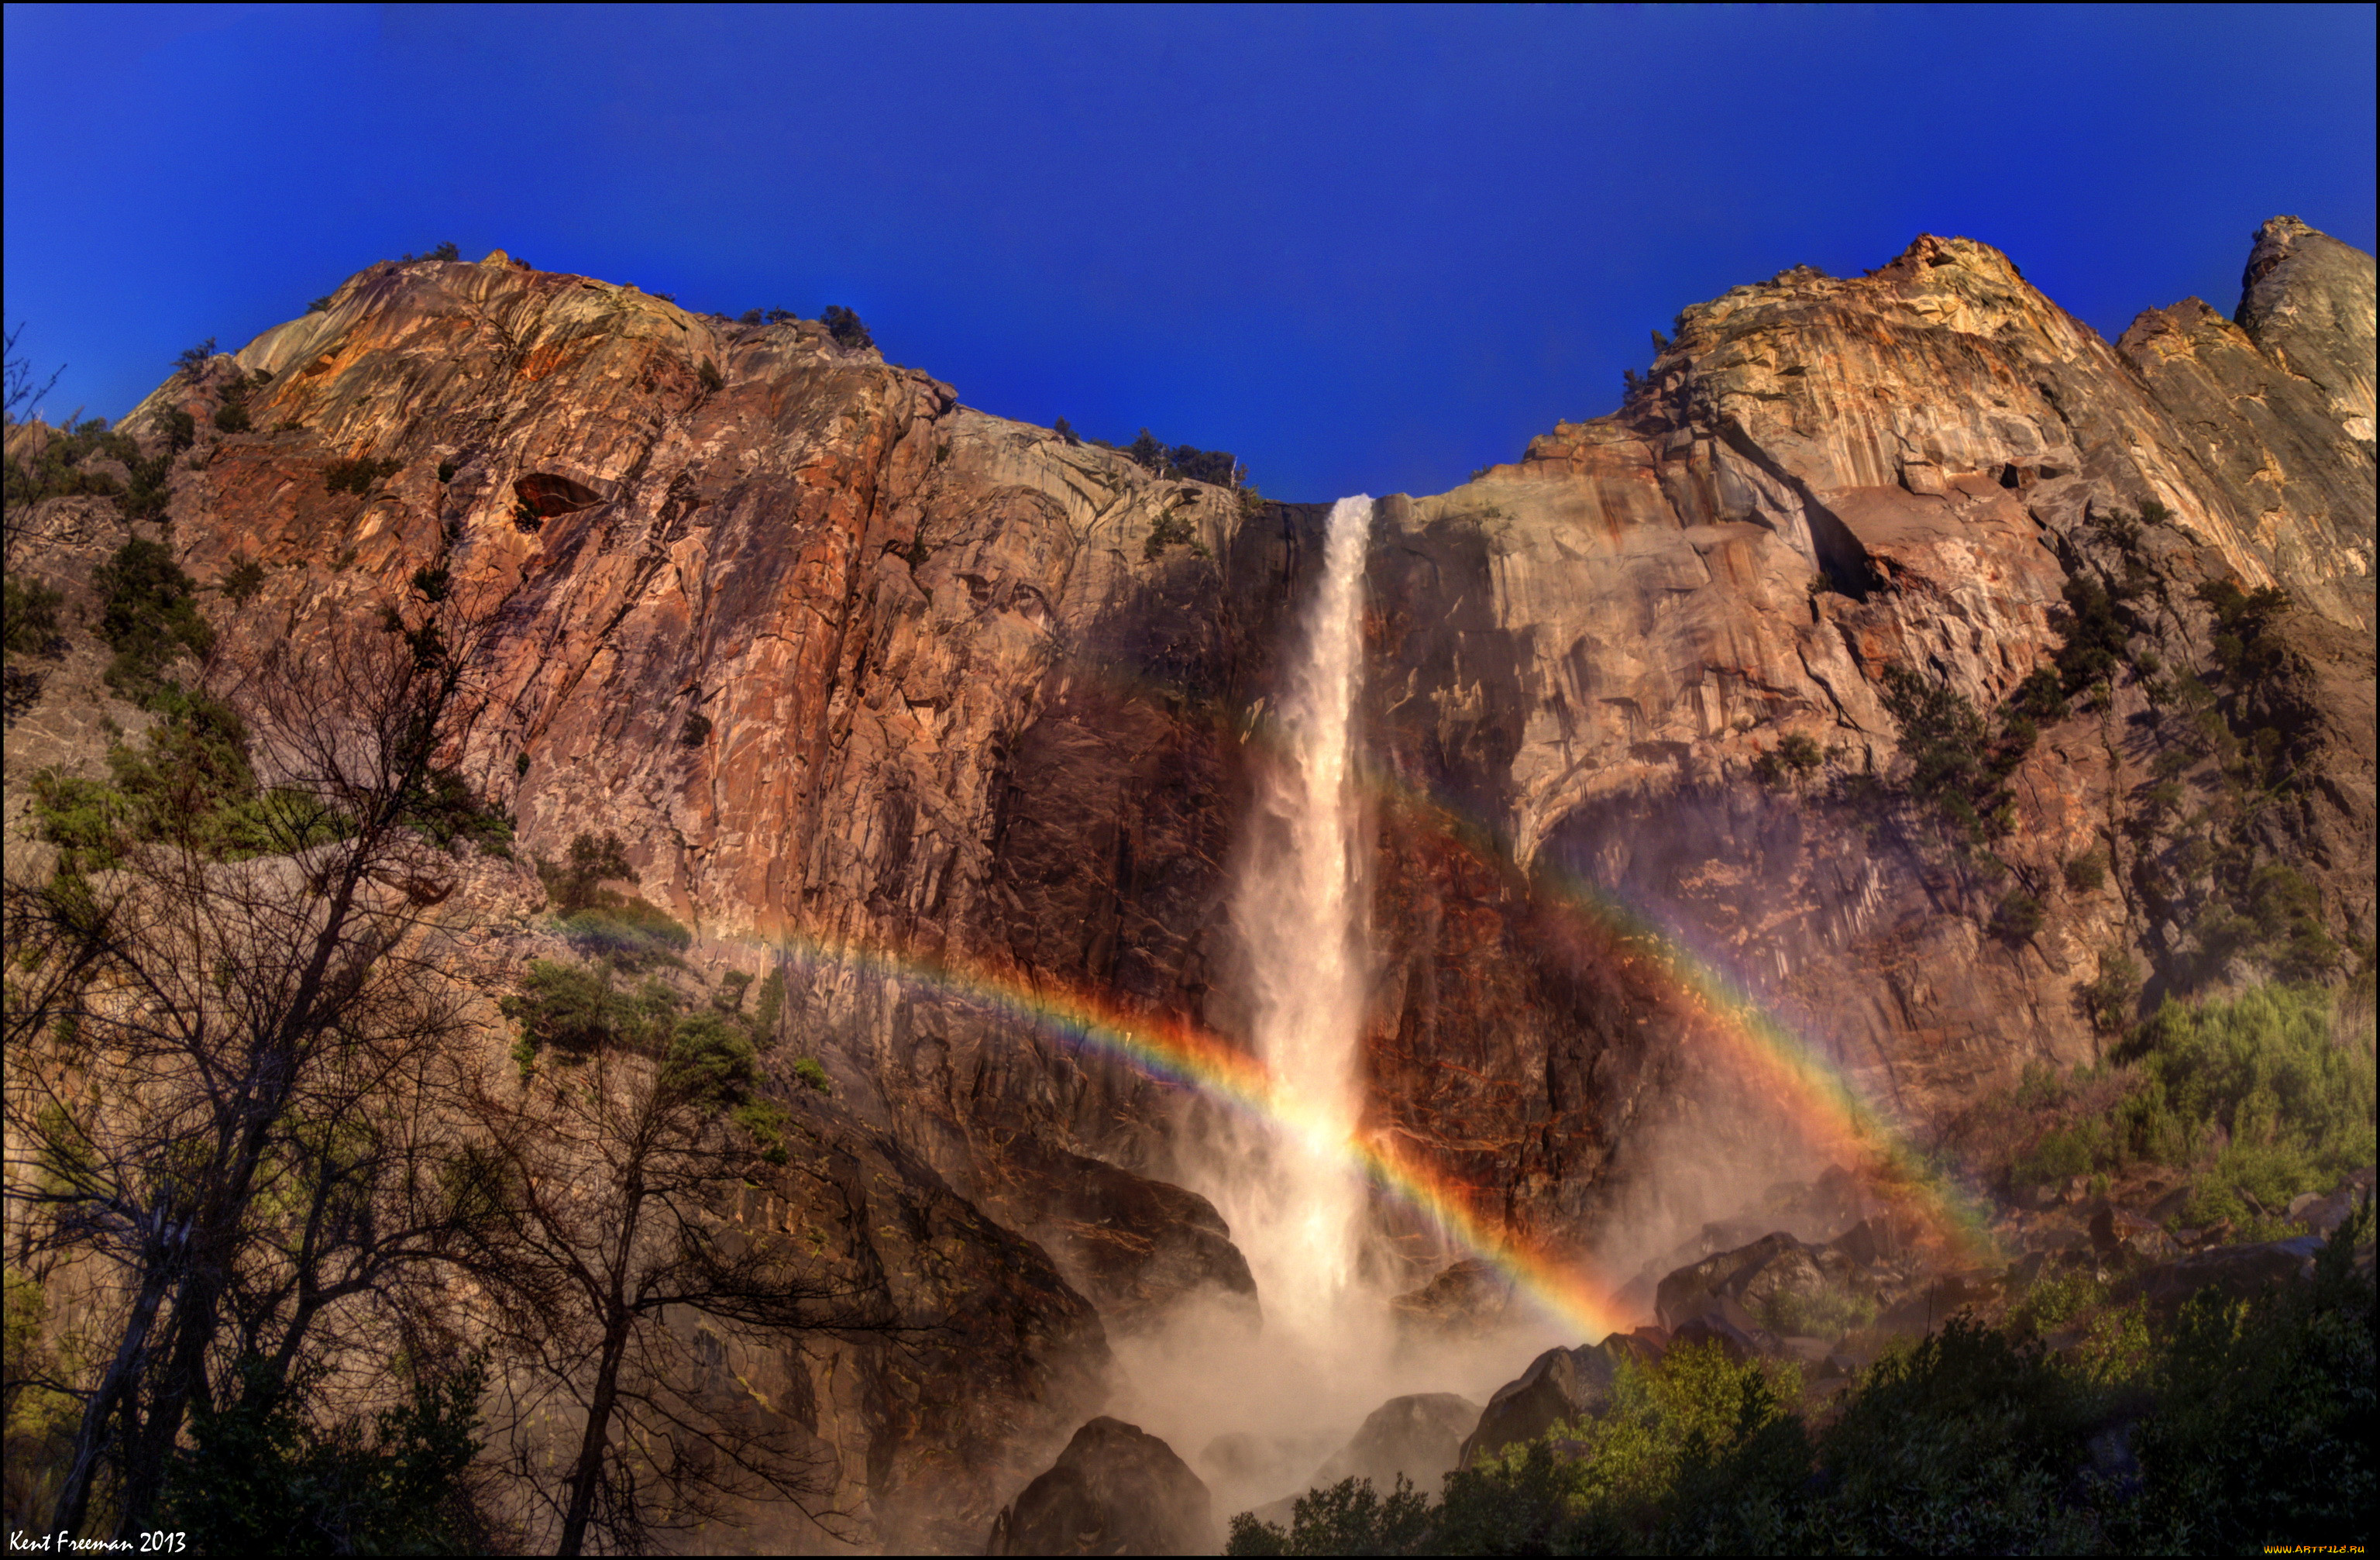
{"points": [[590, 1471]]}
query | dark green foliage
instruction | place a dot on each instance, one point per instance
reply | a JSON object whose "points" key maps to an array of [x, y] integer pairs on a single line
{"points": [[526, 517], [1795, 759], [1186, 462], [231, 416], [263, 1475], [190, 359], [729, 998], [521, 765], [1348, 1517], [2016, 918], [447, 252], [32, 616], [2249, 648], [845, 327], [1065, 430], [2293, 1099], [780, 316], [1956, 770], [181, 431], [2086, 874], [188, 781], [592, 858], [710, 376], [695, 732], [446, 472], [630, 932], [2094, 635], [320, 306], [2264, 1426], [770, 1008], [1171, 529], [433, 581], [1966, 1444], [148, 615], [242, 580], [2114, 994], [749, 317], [711, 1062], [812, 1074], [2041, 696], [567, 1007], [359, 476], [443, 807]]}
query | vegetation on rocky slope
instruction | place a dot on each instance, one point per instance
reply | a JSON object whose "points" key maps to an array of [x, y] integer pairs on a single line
{"points": [[2241, 1423]]}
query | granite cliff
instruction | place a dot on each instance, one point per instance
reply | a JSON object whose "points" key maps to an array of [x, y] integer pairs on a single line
{"points": [[928, 707]]}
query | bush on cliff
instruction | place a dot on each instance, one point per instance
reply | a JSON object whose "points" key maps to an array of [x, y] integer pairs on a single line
{"points": [[845, 327], [149, 616]]}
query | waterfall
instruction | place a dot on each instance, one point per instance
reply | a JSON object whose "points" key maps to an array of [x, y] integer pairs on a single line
{"points": [[1298, 913]]}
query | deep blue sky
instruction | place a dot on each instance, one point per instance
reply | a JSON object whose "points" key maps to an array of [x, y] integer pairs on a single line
{"points": [[1368, 251]]}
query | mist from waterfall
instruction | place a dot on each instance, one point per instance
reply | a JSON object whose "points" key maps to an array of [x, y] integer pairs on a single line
{"points": [[1298, 914]]}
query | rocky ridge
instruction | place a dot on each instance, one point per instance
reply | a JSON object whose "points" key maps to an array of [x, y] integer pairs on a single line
{"points": [[929, 707]]}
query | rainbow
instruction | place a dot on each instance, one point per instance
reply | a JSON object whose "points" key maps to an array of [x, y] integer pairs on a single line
{"points": [[1188, 1056], [1179, 1052]]}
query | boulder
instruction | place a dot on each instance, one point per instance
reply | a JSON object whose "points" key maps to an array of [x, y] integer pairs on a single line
{"points": [[1776, 1284], [1419, 1436], [1562, 1383], [2238, 1272], [1114, 1490]]}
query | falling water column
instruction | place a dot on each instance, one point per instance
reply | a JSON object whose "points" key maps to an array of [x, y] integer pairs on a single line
{"points": [[1298, 912]]}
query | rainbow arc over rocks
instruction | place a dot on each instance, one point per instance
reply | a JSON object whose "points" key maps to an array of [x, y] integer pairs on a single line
{"points": [[1182, 1053]]}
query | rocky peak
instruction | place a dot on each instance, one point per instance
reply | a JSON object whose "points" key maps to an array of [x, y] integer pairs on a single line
{"points": [[2307, 300]]}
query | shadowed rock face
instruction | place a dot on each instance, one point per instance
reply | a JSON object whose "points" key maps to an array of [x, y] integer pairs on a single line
{"points": [[1115, 1489], [975, 736], [1417, 1438]]}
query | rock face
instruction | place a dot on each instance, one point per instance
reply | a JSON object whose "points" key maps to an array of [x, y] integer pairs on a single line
{"points": [[1416, 1437], [1115, 1489], [938, 714], [1562, 1383]]}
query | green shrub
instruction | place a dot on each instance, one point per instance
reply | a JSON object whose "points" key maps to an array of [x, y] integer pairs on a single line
{"points": [[242, 580], [631, 934], [1170, 530], [567, 1006], [2264, 1428], [190, 359], [359, 476], [231, 416], [2086, 874], [264, 1473], [1828, 1314], [591, 860], [2113, 995], [1955, 770], [845, 327], [811, 1073], [2289, 1082], [2060, 1156], [2017, 918], [695, 732], [149, 616], [710, 376], [320, 306], [32, 616]]}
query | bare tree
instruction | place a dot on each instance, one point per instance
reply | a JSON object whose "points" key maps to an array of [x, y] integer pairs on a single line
{"points": [[616, 1245], [204, 1051]]}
